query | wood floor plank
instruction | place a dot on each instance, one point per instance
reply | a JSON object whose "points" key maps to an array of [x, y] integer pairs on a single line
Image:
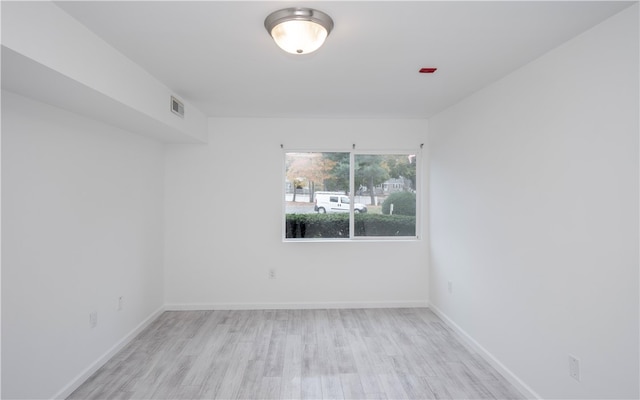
{"points": [[275, 354], [297, 354], [371, 385], [393, 386], [310, 360], [262, 341], [416, 387], [331, 387], [311, 388], [438, 388], [308, 327], [270, 388], [345, 360], [352, 386], [200, 370], [294, 323], [292, 368], [250, 386], [230, 385]]}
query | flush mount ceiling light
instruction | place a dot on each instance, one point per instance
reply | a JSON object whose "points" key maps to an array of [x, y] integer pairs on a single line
{"points": [[298, 30]]}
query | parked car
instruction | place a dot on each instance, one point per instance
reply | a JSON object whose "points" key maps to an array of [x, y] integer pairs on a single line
{"points": [[334, 202]]}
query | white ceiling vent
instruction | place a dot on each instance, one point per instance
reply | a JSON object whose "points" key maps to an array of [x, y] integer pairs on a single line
{"points": [[177, 107]]}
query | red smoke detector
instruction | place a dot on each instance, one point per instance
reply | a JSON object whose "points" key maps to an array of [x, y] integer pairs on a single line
{"points": [[428, 70]]}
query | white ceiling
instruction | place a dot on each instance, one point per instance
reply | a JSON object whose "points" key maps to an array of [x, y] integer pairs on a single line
{"points": [[218, 56]]}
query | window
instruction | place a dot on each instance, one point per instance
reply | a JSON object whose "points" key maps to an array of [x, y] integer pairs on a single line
{"points": [[350, 195]]}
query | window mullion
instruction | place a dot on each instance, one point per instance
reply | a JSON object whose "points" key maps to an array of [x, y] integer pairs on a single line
{"points": [[351, 195]]}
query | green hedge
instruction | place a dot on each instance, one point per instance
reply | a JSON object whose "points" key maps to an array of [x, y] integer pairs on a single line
{"points": [[404, 203], [334, 226], [384, 225]]}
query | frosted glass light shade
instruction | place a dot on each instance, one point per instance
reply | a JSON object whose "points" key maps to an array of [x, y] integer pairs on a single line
{"points": [[299, 37], [299, 30]]}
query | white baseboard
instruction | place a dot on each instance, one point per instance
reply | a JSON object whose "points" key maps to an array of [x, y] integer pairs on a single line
{"points": [[522, 387], [90, 370], [295, 306]]}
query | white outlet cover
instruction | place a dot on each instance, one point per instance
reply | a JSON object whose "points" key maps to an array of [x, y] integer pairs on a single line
{"points": [[574, 368], [93, 319]]}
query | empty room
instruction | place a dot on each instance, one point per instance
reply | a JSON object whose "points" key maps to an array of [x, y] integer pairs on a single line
{"points": [[320, 200]]}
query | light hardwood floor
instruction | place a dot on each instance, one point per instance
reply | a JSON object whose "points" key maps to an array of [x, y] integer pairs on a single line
{"points": [[293, 354]]}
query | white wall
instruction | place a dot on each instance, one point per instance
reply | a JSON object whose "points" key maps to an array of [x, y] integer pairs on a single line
{"points": [[223, 220], [534, 215], [82, 212]]}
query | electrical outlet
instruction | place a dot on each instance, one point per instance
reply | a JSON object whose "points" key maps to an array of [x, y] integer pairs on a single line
{"points": [[93, 319], [574, 368], [120, 303], [272, 273], [450, 286]]}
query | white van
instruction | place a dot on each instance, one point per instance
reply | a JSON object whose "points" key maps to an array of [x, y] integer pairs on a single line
{"points": [[335, 202]]}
